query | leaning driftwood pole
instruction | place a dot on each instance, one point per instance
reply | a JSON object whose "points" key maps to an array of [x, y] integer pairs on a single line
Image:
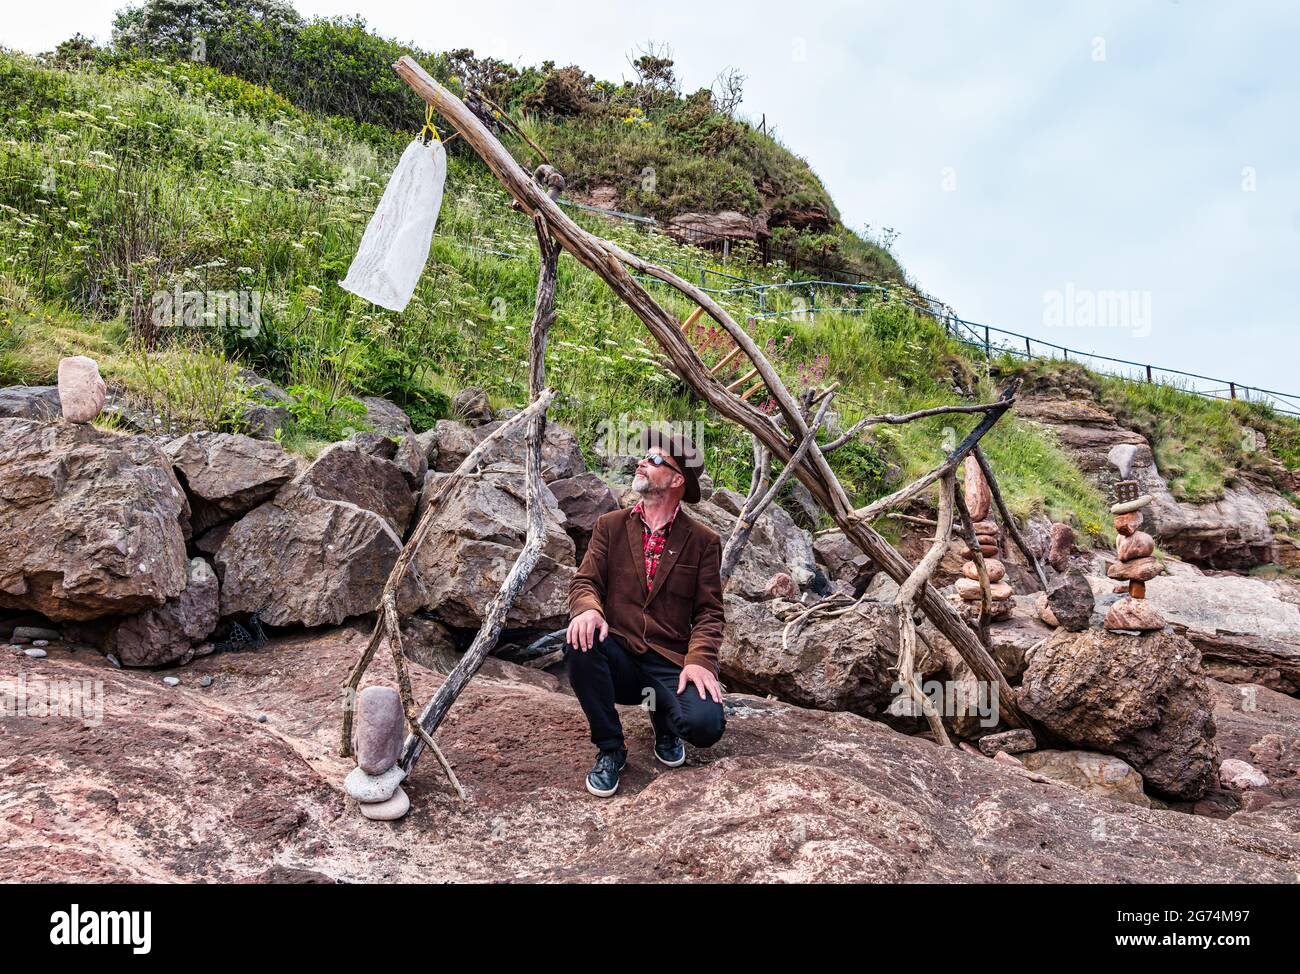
{"points": [[608, 261], [494, 616]]}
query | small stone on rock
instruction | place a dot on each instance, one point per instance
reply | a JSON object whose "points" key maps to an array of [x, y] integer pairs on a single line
{"points": [[1013, 742], [205, 681], [1134, 614], [35, 653], [1128, 523], [172, 681], [1241, 775]]}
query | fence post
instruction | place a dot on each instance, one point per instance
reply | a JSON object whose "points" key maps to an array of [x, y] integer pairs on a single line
{"points": [[1029, 352], [988, 350], [1232, 389], [1148, 373]]}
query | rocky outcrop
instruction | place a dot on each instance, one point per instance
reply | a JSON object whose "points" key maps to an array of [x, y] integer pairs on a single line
{"points": [[1247, 629], [30, 402], [1140, 698], [299, 558], [703, 228], [844, 662], [1233, 532], [389, 420], [226, 475], [91, 521], [172, 633], [787, 795], [1098, 774], [776, 544], [476, 540]]}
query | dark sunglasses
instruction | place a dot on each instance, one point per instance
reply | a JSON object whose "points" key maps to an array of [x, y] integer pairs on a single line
{"points": [[659, 460]]}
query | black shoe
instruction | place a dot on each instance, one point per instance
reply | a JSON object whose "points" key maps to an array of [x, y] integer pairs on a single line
{"points": [[602, 780], [669, 750]]}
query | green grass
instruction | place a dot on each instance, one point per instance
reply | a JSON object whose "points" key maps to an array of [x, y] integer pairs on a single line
{"points": [[167, 175]]}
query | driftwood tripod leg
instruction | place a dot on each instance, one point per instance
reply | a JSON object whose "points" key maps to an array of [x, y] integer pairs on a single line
{"points": [[494, 616]]}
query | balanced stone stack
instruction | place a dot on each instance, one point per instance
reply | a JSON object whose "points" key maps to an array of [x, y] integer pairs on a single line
{"points": [[380, 731], [978, 501], [1136, 566]]}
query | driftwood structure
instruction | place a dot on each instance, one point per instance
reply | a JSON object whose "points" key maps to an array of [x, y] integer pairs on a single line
{"points": [[789, 438]]}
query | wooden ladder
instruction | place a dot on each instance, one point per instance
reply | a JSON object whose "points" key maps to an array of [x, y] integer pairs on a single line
{"points": [[726, 361]]}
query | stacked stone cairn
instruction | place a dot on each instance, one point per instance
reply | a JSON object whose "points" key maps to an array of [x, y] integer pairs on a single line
{"points": [[376, 782], [987, 534], [1135, 549]]}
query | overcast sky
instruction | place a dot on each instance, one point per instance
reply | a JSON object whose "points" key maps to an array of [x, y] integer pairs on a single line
{"points": [[1039, 160]]}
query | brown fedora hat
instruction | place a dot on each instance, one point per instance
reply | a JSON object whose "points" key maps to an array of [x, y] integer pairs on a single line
{"points": [[679, 448]]}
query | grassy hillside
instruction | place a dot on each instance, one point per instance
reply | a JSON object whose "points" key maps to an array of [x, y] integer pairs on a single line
{"points": [[122, 181]]}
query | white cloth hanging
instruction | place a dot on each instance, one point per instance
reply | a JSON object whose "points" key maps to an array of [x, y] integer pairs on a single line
{"points": [[395, 246]]}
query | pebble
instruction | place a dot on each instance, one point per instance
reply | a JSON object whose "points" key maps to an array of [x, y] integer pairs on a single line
{"points": [[387, 811], [114, 661], [1241, 775], [1137, 545], [373, 788], [40, 642], [1128, 507], [172, 681], [1128, 523], [1133, 614], [205, 681], [997, 571], [1013, 742], [35, 653], [261, 718], [1138, 570]]}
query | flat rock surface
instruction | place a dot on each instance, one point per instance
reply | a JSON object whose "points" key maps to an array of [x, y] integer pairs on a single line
{"points": [[183, 784]]}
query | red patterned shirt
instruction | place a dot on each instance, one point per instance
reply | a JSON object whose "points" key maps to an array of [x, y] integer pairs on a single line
{"points": [[652, 542]]}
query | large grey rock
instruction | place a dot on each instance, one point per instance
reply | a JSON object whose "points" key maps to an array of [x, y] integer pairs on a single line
{"points": [[410, 455], [30, 402], [561, 455], [471, 405], [342, 472], [1140, 698], [583, 499], [476, 539], [227, 474], [299, 558], [1071, 600], [841, 663], [842, 559], [169, 633], [776, 544], [91, 522]]}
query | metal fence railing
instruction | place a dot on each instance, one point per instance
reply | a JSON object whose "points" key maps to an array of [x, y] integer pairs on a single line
{"points": [[983, 338]]}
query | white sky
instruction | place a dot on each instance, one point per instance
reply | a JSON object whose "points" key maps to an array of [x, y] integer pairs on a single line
{"points": [[1020, 148]]}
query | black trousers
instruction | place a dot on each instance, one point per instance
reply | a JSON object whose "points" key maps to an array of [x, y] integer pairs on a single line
{"points": [[609, 674]]}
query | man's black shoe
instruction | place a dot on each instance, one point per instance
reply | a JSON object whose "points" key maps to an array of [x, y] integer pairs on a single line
{"points": [[602, 780], [670, 750]]}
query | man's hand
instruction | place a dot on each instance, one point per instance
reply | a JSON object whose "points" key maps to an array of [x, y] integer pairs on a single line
{"points": [[704, 681], [582, 630]]}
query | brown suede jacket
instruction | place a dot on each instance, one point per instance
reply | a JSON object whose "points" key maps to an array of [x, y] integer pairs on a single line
{"points": [[681, 616]]}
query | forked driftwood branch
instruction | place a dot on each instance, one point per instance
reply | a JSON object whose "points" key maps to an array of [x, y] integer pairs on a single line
{"points": [[387, 623], [612, 264]]}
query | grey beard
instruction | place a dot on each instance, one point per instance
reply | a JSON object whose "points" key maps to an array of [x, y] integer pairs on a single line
{"points": [[641, 484]]}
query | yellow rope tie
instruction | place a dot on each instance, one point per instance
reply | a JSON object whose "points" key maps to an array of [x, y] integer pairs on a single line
{"points": [[429, 127]]}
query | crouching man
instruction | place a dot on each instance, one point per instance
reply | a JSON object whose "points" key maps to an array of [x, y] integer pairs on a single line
{"points": [[645, 616]]}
